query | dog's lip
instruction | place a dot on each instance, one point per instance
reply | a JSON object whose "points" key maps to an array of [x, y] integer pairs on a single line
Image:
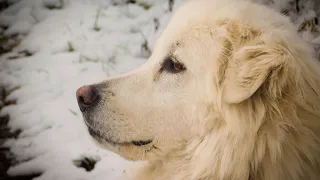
{"points": [[92, 132], [141, 143]]}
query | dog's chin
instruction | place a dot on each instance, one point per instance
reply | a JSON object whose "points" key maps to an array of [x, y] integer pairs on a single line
{"points": [[104, 140], [133, 150]]}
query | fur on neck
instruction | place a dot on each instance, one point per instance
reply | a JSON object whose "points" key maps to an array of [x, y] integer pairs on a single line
{"points": [[264, 138]]}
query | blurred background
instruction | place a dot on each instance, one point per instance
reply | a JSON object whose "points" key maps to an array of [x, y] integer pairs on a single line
{"points": [[49, 48]]}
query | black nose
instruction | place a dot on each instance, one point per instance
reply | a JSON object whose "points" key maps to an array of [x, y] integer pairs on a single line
{"points": [[87, 96]]}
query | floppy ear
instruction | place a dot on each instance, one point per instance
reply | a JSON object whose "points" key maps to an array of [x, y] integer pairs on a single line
{"points": [[256, 66]]}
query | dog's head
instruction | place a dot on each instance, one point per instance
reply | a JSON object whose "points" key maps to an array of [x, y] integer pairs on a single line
{"points": [[211, 53]]}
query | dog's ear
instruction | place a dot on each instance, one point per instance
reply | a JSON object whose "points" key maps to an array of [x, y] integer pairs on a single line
{"points": [[260, 64]]}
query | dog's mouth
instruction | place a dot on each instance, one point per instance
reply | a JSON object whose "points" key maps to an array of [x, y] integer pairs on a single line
{"points": [[94, 133]]}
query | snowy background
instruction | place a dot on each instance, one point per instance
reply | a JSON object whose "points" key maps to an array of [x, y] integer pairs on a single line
{"points": [[49, 48]]}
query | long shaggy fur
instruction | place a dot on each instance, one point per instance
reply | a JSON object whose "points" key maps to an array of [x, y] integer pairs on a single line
{"points": [[273, 135], [245, 107]]}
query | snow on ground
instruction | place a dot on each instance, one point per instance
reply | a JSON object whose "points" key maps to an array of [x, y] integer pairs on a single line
{"points": [[64, 45], [75, 43]]}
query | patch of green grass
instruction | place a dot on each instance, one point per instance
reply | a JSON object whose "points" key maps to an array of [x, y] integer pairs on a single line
{"points": [[88, 163], [95, 25], [144, 5], [21, 54], [6, 133], [26, 53], [4, 93], [16, 133], [4, 39], [8, 43], [131, 1], [4, 120], [52, 6], [70, 47], [96, 28], [55, 6]]}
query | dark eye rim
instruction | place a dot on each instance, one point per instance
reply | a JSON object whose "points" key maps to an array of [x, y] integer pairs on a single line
{"points": [[172, 65]]}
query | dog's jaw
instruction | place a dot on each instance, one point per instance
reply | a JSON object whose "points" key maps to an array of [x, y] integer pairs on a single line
{"points": [[95, 134]]}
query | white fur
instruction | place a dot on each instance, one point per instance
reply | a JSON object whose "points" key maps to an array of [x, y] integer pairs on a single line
{"points": [[245, 108]]}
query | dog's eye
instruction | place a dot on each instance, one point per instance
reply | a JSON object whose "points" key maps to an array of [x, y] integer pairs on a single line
{"points": [[177, 66], [172, 66]]}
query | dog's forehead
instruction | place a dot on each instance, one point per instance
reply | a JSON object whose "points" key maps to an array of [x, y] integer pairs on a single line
{"points": [[186, 33], [194, 15], [187, 16], [181, 28]]}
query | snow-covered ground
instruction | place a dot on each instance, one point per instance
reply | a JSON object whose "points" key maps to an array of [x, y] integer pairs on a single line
{"points": [[64, 45], [82, 42]]}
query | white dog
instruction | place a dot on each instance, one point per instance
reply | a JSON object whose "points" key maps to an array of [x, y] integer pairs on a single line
{"points": [[230, 93]]}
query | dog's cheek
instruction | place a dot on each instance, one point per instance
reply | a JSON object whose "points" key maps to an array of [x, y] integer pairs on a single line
{"points": [[132, 153]]}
